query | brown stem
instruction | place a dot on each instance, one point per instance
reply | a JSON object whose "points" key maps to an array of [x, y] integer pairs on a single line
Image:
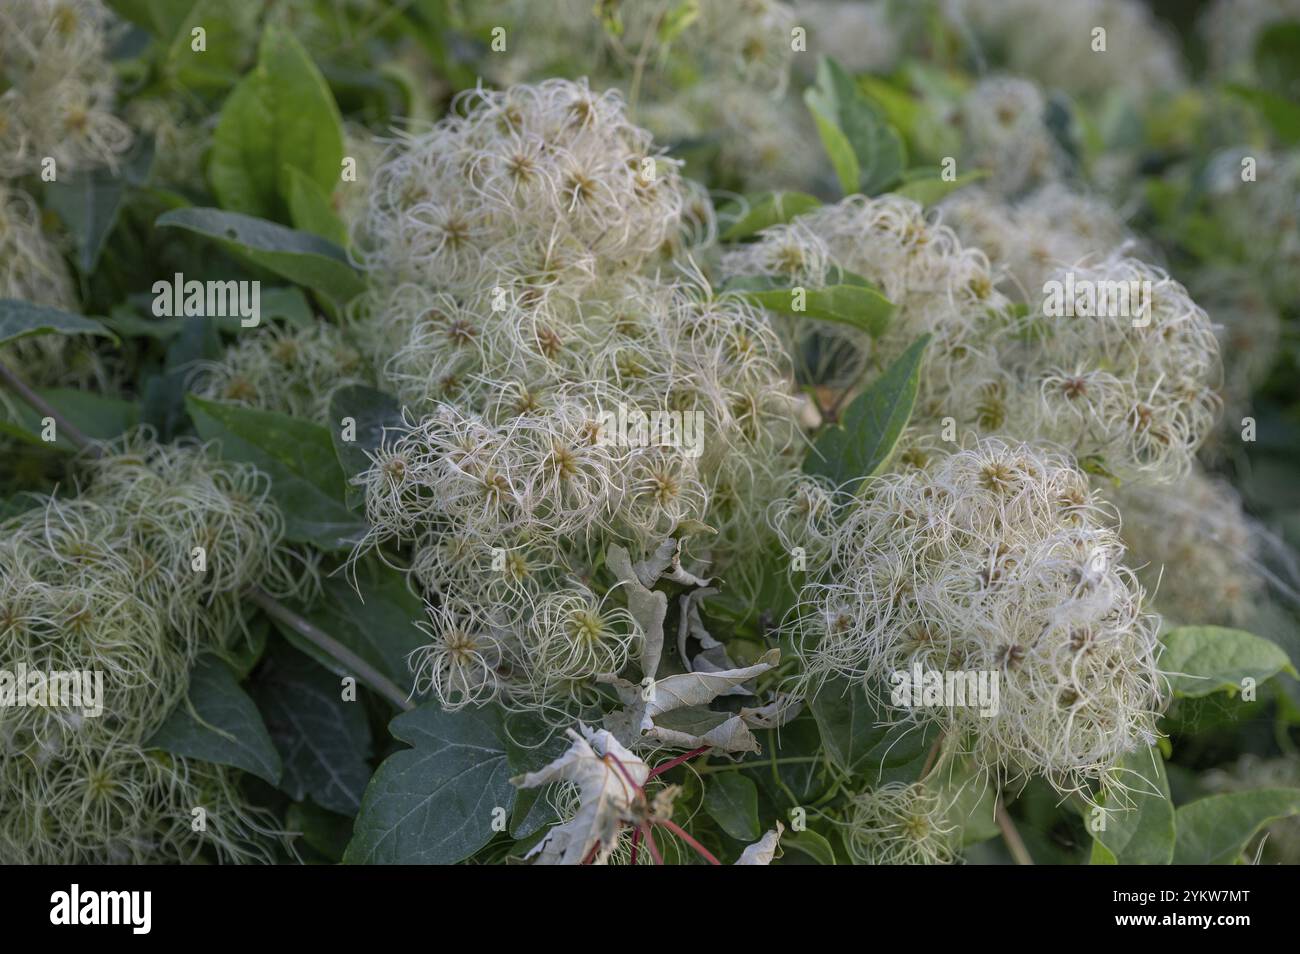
{"points": [[324, 641], [933, 757], [1011, 836], [42, 407]]}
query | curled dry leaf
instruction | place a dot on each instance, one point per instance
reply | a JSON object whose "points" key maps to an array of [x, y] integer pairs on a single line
{"points": [[762, 851], [647, 607], [685, 696], [609, 780]]}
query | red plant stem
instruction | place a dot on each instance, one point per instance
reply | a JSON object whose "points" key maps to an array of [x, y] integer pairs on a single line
{"points": [[673, 763], [636, 841], [650, 842], [680, 832], [627, 776]]}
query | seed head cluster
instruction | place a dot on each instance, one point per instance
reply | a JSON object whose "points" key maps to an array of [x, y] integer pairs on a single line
{"points": [[995, 558], [58, 89], [530, 276], [899, 824], [105, 581], [290, 370]]}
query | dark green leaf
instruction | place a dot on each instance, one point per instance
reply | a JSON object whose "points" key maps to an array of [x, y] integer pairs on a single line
{"points": [[731, 800], [96, 415], [1216, 830], [865, 149], [378, 624], [1282, 114], [88, 202], [310, 209], [325, 832], [770, 208], [798, 845], [1277, 59], [436, 802], [219, 723], [872, 424], [1141, 830], [18, 319], [301, 257], [372, 410], [298, 457], [860, 306], [928, 187], [323, 740], [1207, 659]]}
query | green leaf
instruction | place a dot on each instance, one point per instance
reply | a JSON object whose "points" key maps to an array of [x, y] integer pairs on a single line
{"points": [[434, 803], [1216, 830], [857, 736], [281, 115], [288, 303], [219, 723], [1277, 59], [301, 257], [808, 843], [372, 410], [864, 148], [18, 319], [678, 17], [872, 423], [216, 67], [98, 416], [770, 208], [1282, 114], [838, 149], [378, 624], [323, 741], [859, 305], [927, 187], [299, 458], [323, 831], [848, 722], [969, 795], [310, 209], [1141, 831], [732, 801], [1207, 659], [164, 394], [89, 201]]}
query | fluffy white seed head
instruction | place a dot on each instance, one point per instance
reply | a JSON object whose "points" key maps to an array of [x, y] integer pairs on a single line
{"points": [[899, 824], [1193, 548], [289, 370], [58, 91], [996, 558], [1053, 44], [1004, 128], [1138, 392]]}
